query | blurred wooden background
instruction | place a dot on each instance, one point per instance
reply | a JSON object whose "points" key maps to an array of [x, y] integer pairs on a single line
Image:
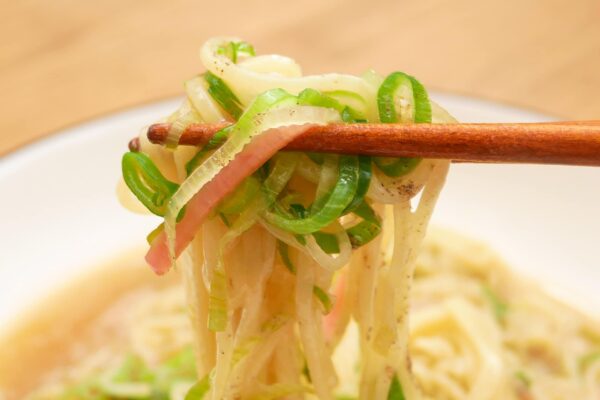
{"points": [[64, 61]]}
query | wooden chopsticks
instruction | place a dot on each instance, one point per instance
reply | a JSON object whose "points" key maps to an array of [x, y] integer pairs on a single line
{"points": [[569, 143]]}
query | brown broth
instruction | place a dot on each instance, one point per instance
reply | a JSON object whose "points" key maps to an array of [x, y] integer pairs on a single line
{"points": [[48, 335]]}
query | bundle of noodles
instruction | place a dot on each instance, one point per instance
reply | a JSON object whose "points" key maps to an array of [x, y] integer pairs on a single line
{"points": [[281, 250]]}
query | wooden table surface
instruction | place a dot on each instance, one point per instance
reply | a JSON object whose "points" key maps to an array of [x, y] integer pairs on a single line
{"points": [[64, 61]]}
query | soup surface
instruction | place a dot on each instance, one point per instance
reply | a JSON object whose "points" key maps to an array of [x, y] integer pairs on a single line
{"points": [[59, 336]]}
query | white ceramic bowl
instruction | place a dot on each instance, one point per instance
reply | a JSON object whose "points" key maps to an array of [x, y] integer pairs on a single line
{"points": [[61, 215]]}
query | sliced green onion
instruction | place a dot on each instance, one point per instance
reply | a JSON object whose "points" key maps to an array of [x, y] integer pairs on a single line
{"points": [[395, 392], [366, 230], [336, 202], [146, 182], [323, 298], [263, 171], [232, 50], [300, 239], [195, 161], [225, 220], [294, 210], [155, 232], [219, 91], [388, 92], [279, 175], [244, 47], [328, 177], [285, 256], [350, 115], [364, 180], [348, 98], [160, 228], [315, 98], [396, 167], [499, 306], [199, 390], [298, 210], [306, 372], [237, 201], [317, 158], [387, 96], [327, 242]]}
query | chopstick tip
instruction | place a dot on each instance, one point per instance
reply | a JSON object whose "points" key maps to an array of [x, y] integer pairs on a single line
{"points": [[157, 133], [134, 144]]}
